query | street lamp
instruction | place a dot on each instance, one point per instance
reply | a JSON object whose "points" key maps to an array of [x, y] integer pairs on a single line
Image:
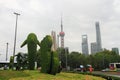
{"points": [[58, 41], [6, 51], [17, 14], [66, 52]]}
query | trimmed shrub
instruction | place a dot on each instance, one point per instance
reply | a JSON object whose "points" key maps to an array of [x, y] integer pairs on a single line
{"points": [[49, 59], [54, 62], [31, 42], [45, 52]]}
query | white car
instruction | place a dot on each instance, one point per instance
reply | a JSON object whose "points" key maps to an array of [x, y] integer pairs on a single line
{"points": [[105, 70]]}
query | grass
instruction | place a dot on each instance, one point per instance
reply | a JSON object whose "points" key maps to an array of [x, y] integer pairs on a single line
{"points": [[36, 75]]}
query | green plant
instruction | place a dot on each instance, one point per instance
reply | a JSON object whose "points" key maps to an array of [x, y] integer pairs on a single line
{"points": [[49, 59], [22, 60], [54, 63], [11, 62], [45, 51], [31, 42]]}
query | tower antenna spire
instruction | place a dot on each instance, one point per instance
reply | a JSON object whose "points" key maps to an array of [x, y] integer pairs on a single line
{"points": [[62, 34], [61, 23]]}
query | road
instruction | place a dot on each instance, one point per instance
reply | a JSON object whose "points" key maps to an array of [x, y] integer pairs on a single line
{"points": [[115, 74]]}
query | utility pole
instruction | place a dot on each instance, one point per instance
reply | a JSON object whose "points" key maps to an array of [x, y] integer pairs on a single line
{"points": [[6, 51], [58, 41], [17, 14], [66, 52]]}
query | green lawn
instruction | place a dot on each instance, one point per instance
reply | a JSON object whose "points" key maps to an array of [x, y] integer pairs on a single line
{"points": [[36, 75]]}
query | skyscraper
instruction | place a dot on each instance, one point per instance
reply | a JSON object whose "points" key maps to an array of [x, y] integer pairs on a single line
{"points": [[53, 35], [58, 41], [116, 50], [62, 34], [93, 48], [85, 45], [98, 37]]}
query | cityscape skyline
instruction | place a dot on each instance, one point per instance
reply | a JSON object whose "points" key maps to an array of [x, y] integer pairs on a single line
{"points": [[43, 16], [94, 46], [97, 46]]}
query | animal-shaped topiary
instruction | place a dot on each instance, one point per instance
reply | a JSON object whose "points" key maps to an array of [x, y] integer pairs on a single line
{"points": [[49, 59], [54, 63], [31, 42], [45, 51]]}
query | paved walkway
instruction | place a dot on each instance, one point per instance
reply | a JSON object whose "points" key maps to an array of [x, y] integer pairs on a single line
{"points": [[114, 74]]}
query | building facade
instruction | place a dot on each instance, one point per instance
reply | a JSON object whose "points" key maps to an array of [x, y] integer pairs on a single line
{"points": [[116, 50], [98, 37], [53, 35], [94, 48], [85, 49]]}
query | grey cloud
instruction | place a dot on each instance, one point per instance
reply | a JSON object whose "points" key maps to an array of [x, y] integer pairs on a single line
{"points": [[43, 16]]}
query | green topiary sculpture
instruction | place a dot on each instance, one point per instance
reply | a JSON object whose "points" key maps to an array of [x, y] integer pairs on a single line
{"points": [[45, 51], [31, 42], [54, 63], [49, 59]]}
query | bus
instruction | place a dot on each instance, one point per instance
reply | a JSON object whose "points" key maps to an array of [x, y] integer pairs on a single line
{"points": [[114, 66]]}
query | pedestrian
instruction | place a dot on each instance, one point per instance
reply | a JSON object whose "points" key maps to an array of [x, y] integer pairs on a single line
{"points": [[90, 69]]}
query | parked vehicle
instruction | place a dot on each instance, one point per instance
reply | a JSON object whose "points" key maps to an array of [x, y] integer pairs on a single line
{"points": [[114, 66], [105, 70], [82, 68]]}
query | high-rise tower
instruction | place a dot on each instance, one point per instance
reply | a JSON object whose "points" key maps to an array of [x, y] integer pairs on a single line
{"points": [[62, 34], [85, 45], [58, 41], [98, 37], [116, 50], [93, 48], [54, 45]]}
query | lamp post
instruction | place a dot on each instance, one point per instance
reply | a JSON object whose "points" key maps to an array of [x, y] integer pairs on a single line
{"points": [[17, 14], [66, 52], [6, 51], [57, 41]]}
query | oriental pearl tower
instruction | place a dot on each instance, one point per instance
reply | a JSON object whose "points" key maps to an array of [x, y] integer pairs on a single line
{"points": [[62, 34]]}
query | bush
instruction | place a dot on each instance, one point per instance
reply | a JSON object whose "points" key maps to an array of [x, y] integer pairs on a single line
{"points": [[49, 59], [31, 42], [54, 63], [45, 52]]}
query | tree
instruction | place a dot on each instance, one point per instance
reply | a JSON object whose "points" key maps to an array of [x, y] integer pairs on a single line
{"points": [[11, 62], [62, 56], [102, 59], [31, 42], [22, 61], [19, 61]]}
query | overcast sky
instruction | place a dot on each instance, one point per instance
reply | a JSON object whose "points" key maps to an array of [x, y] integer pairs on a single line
{"points": [[43, 16]]}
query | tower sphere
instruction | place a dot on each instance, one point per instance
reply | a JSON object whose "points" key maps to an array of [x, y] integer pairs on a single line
{"points": [[62, 34]]}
